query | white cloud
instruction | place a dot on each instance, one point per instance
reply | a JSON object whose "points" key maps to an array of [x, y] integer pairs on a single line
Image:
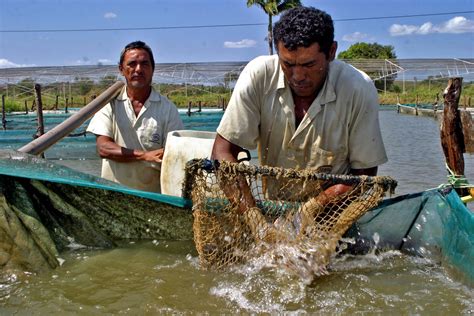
{"points": [[84, 61], [456, 25], [5, 63], [104, 61], [355, 37], [110, 15], [240, 44]]}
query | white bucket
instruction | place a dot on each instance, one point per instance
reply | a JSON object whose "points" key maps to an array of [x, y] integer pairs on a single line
{"points": [[182, 146]]}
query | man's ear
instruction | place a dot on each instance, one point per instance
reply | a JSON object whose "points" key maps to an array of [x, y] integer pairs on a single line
{"points": [[120, 69], [332, 51]]}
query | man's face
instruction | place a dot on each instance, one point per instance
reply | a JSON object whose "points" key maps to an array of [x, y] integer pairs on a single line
{"points": [[137, 68], [305, 68]]}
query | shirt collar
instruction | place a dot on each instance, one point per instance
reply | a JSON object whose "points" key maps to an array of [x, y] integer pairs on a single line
{"points": [[154, 96], [327, 93]]}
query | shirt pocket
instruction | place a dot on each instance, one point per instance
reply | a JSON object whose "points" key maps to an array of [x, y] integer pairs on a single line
{"points": [[150, 135], [319, 157]]}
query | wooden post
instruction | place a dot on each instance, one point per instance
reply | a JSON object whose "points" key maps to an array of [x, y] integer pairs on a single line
{"points": [[435, 105], [60, 131], [200, 106], [39, 111], [452, 138], [4, 121], [189, 108], [65, 107], [416, 105], [57, 101], [26, 107]]}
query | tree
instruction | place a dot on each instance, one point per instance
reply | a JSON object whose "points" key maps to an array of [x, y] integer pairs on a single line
{"points": [[273, 8], [372, 51], [369, 51]]}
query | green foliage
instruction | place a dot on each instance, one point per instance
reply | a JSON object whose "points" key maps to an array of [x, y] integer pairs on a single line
{"points": [[84, 85], [368, 51], [273, 8]]}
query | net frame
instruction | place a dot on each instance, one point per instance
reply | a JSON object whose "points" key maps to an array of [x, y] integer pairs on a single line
{"points": [[288, 212]]}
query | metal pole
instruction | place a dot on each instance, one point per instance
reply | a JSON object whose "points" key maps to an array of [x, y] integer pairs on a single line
{"points": [[42, 143]]}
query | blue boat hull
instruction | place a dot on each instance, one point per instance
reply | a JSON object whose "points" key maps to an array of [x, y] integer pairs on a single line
{"points": [[433, 224]]}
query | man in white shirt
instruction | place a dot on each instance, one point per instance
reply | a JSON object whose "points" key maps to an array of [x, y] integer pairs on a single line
{"points": [[131, 130], [303, 108]]}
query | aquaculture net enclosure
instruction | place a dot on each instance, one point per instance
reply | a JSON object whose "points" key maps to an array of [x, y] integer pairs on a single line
{"points": [[242, 212]]}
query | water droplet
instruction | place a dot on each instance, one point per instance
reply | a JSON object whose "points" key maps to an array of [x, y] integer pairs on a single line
{"points": [[376, 238]]}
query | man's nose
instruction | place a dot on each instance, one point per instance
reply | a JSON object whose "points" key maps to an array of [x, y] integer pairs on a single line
{"points": [[299, 73], [139, 67]]}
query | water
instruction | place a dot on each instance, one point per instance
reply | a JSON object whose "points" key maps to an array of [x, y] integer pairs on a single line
{"points": [[164, 277]]}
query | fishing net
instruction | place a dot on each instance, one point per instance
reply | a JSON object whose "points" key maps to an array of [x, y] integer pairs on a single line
{"points": [[291, 213]]}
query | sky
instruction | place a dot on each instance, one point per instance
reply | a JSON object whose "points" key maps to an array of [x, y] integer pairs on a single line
{"points": [[91, 32]]}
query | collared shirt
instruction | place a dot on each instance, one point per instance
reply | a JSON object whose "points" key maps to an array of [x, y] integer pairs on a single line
{"points": [[145, 131], [341, 127]]}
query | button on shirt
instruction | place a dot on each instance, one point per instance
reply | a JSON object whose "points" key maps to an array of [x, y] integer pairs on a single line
{"points": [[145, 131], [341, 127]]}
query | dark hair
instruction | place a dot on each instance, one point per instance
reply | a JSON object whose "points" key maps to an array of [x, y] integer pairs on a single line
{"points": [[138, 45], [302, 27]]}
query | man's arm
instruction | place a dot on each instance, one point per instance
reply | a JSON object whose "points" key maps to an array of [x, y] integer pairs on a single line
{"points": [[108, 149], [225, 150], [238, 192], [339, 189]]}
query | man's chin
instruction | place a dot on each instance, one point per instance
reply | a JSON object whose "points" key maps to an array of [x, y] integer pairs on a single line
{"points": [[303, 92], [138, 84]]}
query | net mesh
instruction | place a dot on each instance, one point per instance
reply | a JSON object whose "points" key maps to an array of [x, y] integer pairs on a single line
{"points": [[290, 213]]}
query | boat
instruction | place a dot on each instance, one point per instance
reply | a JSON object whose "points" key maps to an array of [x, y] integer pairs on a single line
{"points": [[420, 110], [433, 224], [80, 209]]}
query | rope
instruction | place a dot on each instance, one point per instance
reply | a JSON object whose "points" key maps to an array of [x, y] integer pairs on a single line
{"points": [[457, 181]]}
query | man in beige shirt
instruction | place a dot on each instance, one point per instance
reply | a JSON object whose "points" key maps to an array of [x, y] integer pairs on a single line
{"points": [[303, 108], [131, 130]]}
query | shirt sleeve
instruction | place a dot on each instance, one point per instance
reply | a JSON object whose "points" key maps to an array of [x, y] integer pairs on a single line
{"points": [[101, 122], [240, 122], [366, 147]]}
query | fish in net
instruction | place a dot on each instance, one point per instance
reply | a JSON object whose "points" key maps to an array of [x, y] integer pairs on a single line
{"points": [[288, 216]]}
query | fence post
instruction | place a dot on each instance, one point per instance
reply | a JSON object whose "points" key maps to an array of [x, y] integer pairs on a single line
{"points": [[452, 136], [39, 111], [4, 121]]}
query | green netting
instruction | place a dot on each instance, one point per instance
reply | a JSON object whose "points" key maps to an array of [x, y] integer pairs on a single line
{"points": [[433, 224], [17, 164], [46, 209]]}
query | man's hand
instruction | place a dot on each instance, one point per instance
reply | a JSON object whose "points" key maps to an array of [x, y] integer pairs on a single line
{"points": [[236, 190], [108, 149], [153, 155]]}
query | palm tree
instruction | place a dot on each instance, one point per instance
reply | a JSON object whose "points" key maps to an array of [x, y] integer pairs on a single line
{"points": [[272, 8]]}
